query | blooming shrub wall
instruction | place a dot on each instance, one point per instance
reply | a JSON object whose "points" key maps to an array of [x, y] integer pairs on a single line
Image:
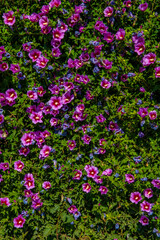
{"points": [[79, 120]]}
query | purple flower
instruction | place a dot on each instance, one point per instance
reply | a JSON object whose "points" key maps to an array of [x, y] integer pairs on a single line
{"points": [[156, 183], [43, 22], [108, 11], [129, 178], [120, 34], [10, 94], [143, 112], [139, 48], [27, 47], [103, 190], [143, 6], [113, 126], [67, 98], [54, 121], [14, 68], [41, 62], [144, 220], [56, 52], [18, 165], [148, 193], [4, 166], [107, 172], [5, 201], [98, 179], [92, 172], [78, 175], [100, 118], [146, 206], [46, 185], [153, 115], [142, 89], [1, 118], [34, 54], [86, 139], [148, 59], [24, 151], [72, 209], [108, 36], [45, 151], [57, 34], [29, 184], [157, 72], [135, 197], [9, 19], [3, 66], [19, 221], [55, 102], [107, 64], [105, 84], [71, 144], [86, 187], [32, 95], [36, 117], [36, 204]]}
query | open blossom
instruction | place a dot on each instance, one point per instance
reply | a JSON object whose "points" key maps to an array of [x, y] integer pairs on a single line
{"points": [[15, 68], [157, 72], [29, 184], [103, 190], [92, 172], [56, 52], [107, 172], [46, 185], [54, 3], [135, 197], [45, 151], [153, 115], [3, 66], [18, 165], [129, 178], [32, 95], [156, 183], [4, 166], [139, 48], [148, 193], [19, 221], [108, 11], [57, 34], [107, 64], [105, 84], [43, 22], [146, 206], [27, 139], [148, 59], [56, 103], [78, 175], [9, 19], [36, 204], [143, 6], [120, 34], [5, 201], [36, 117], [143, 112], [34, 54], [108, 37], [10, 94], [144, 220], [100, 118], [42, 62], [72, 209], [71, 144], [86, 187], [86, 139], [113, 126]]}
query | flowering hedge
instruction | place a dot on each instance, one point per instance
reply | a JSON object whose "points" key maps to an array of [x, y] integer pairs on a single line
{"points": [[79, 152]]}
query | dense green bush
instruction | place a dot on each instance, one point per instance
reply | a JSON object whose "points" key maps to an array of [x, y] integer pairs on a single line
{"points": [[79, 120]]}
